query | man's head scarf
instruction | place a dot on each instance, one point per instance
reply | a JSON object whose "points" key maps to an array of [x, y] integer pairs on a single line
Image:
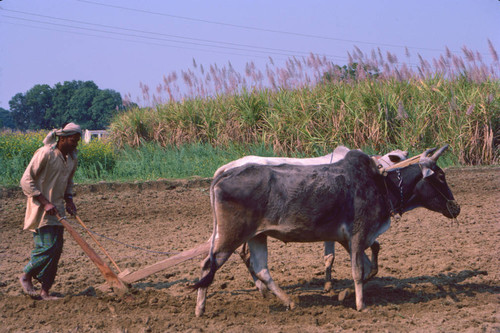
{"points": [[69, 129]]}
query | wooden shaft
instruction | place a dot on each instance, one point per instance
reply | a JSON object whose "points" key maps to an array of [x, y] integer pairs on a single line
{"points": [[405, 163], [106, 271], [97, 242], [164, 264]]}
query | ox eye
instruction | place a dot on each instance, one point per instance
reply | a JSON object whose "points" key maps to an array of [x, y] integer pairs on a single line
{"points": [[441, 177]]}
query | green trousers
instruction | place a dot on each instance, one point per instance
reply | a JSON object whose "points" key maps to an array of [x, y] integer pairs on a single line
{"points": [[46, 254]]}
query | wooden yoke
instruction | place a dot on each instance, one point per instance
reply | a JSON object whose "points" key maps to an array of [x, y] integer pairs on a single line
{"points": [[402, 164], [111, 278]]}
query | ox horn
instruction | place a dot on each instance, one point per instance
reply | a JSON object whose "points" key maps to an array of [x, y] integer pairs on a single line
{"points": [[426, 153], [438, 153]]}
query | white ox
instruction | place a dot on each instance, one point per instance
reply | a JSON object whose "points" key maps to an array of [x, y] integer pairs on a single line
{"points": [[338, 154]]}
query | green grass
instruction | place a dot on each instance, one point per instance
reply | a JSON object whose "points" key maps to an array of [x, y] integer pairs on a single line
{"points": [[99, 162], [151, 161], [96, 158]]}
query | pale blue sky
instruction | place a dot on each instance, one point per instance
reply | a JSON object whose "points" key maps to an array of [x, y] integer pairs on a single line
{"points": [[50, 41]]}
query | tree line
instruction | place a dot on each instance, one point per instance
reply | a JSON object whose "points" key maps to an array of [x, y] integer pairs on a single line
{"points": [[45, 107]]}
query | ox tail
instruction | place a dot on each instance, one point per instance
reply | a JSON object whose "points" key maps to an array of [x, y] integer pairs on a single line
{"points": [[207, 279]]}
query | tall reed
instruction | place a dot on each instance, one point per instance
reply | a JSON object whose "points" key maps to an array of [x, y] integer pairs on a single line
{"points": [[311, 105]]}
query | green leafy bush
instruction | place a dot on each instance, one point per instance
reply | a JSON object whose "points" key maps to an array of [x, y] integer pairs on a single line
{"points": [[17, 149], [98, 154]]}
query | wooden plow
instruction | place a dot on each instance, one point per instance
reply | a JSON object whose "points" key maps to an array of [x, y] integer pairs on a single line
{"points": [[118, 282], [166, 263], [111, 278]]}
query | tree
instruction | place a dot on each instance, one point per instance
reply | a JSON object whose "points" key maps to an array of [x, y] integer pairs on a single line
{"points": [[59, 113], [6, 119], [28, 110], [104, 106], [19, 111], [39, 100], [82, 102]]}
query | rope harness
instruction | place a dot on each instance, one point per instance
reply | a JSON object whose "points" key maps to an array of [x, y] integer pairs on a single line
{"points": [[401, 201], [451, 205]]}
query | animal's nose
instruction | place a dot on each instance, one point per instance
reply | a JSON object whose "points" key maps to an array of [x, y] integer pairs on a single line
{"points": [[453, 208]]}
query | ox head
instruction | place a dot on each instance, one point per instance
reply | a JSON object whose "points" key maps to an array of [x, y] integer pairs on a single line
{"points": [[432, 191], [391, 158]]}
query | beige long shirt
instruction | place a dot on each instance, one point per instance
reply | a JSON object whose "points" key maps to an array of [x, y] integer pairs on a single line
{"points": [[49, 174]]}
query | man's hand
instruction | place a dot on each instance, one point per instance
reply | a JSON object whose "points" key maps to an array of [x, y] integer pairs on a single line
{"points": [[50, 209], [70, 205], [47, 205]]}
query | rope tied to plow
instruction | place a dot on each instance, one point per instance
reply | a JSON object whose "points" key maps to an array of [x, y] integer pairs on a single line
{"points": [[128, 245]]}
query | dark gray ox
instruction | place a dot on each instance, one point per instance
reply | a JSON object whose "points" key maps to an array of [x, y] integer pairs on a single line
{"points": [[348, 202], [339, 153]]}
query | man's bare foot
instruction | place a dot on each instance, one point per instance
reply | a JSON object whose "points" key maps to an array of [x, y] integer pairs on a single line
{"points": [[27, 285], [47, 297]]}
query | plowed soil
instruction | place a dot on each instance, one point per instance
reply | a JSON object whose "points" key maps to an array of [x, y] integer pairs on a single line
{"points": [[436, 274]]}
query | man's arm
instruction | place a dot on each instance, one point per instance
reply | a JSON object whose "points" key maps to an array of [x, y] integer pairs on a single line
{"points": [[68, 195], [28, 183]]}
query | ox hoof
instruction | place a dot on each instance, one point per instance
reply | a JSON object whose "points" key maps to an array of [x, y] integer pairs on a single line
{"points": [[362, 308], [264, 293], [345, 294], [372, 274], [328, 287], [199, 312], [291, 306]]}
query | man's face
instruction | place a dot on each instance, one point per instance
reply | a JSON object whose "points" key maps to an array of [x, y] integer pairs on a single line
{"points": [[69, 143]]}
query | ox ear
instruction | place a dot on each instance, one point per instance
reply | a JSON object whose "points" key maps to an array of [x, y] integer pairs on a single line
{"points": [[426, 172], [395, 158]]}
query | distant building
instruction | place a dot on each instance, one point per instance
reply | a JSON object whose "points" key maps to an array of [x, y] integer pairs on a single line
{"points": [[87, 135]]}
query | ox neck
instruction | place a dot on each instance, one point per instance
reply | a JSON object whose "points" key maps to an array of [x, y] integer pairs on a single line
{"points": [[400, 184]]}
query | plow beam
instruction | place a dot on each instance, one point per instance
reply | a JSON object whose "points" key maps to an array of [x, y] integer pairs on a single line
{"points": [[166, 263]]}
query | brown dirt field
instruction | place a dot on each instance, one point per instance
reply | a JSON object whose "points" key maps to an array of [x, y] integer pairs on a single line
{"points": [[435, 275]]}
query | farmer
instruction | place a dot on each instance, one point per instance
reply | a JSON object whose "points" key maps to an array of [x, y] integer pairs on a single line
{"points": [[48, 184]]}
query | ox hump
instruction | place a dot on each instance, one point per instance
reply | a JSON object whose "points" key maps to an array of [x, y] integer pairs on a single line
{"points": [[358, 159]]}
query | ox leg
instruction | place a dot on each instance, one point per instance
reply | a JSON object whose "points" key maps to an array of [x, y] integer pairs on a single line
{"points": [[358, 268], [258, 264], [245, 256], [367, 264], [220, 259], [329, 258], [375, 247]]}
